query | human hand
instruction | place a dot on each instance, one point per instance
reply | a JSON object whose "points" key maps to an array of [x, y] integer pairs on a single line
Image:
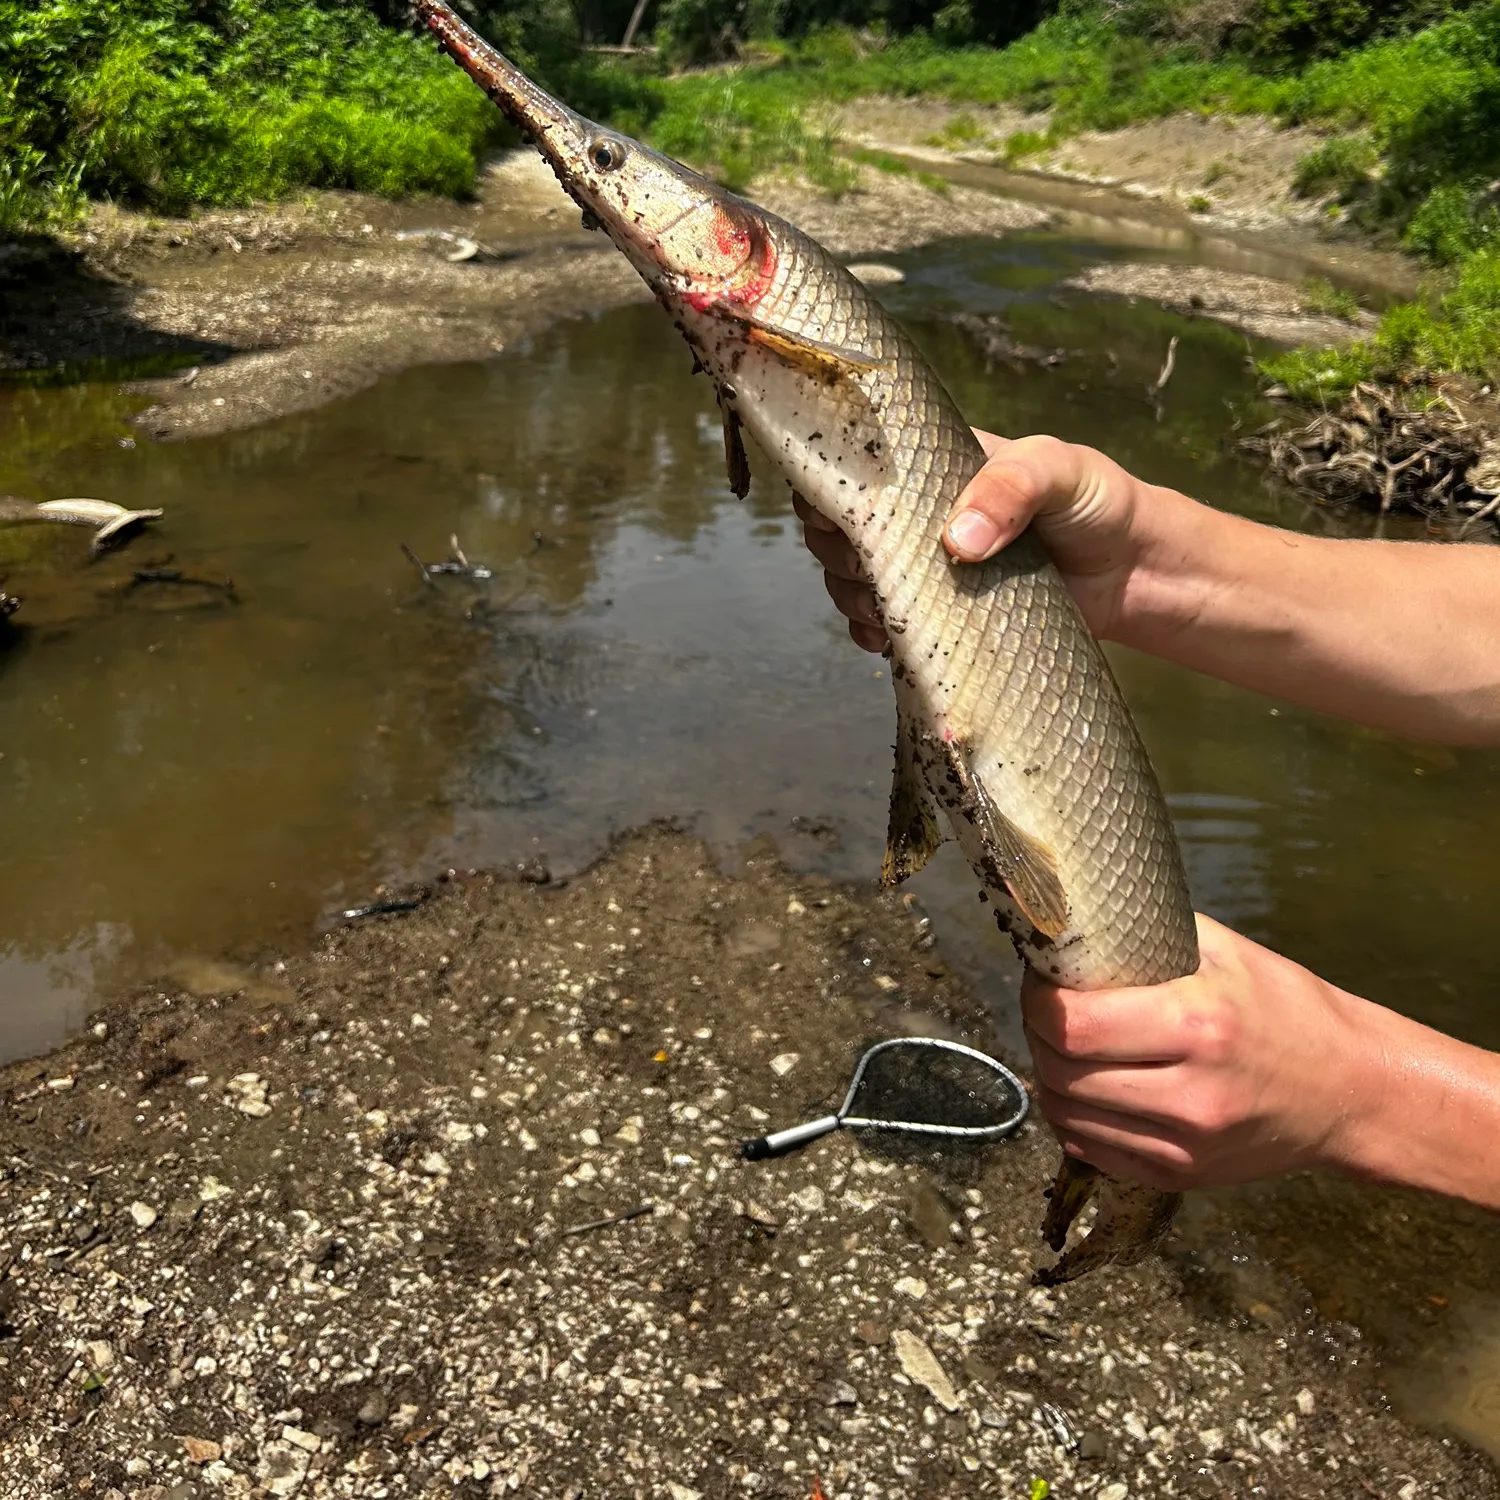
{"points": [[1250, 1067], [1084, 507]]}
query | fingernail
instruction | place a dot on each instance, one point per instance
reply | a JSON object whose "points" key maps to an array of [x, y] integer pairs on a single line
{"points": [[973, 534]]}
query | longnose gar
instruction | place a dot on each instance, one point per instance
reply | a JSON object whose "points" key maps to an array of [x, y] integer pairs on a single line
{"points": [[1008, 717]]}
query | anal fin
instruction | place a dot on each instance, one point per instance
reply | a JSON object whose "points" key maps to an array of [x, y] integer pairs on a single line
{"points": [[1024, 865], [914, 833]]}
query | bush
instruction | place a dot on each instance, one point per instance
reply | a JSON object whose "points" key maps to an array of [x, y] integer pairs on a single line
{"points": [[169, 103]]}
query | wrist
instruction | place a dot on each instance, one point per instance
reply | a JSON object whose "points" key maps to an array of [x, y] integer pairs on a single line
{"points": [[1170, 576]]}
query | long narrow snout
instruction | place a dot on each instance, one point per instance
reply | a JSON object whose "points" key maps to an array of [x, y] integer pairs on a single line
{"points": [[532, 110]]}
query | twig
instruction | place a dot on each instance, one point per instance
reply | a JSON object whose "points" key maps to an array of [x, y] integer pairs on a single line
{"points": [[1478, 516], [1168, 365], [611, 1221], [419, 565]]}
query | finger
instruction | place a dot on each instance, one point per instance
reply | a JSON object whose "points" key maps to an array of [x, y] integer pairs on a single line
{"points": [[854, 600], [1090, 1128], [1120, 1026], [1153, 1091], [1131, 1166], [1019, 480], [834, 550], [989, 441], [870, 637], [810, 516]]}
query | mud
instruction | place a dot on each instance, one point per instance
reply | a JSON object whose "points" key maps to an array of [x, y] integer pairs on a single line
{"points": [[452, 1204], [286, 308]]}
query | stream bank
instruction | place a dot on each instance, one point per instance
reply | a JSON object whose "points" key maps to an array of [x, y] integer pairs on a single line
{"points": [[346, 1224]]}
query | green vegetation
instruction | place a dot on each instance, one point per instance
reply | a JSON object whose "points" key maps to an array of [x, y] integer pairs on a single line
{"points": [[172, 103], [1450, 328], [175, 103]]}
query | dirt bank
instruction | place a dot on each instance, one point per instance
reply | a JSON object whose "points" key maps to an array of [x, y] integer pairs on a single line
{"points": [[336, 1230], [285, 308], [1210, 173]]}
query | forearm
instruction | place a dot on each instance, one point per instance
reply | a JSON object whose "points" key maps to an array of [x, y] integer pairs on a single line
{"points": [[1399, 636], [1425, 1110]]}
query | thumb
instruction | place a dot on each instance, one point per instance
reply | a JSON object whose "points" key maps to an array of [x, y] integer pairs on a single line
{"points": [[1017, 480]]}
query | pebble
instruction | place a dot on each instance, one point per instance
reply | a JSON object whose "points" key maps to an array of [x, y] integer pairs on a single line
{"points": [[101, 1354], [911, 1286], [1115, 1491], [435, 1164], [920, 1365], [257, 1109], [143, 1214], [309, 1441], [589, 1136], [200, 1450], [841, 1393], [1307, 1403], [630, 1134], [373, 1410], [784, 1062], [682, 1492], [810, 1198]]}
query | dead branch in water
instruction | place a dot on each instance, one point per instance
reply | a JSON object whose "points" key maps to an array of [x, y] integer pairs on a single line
{"points": [[1386, 451]]}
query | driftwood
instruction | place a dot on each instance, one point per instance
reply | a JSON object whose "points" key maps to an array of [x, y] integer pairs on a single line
{"points": [[1385, 450]]}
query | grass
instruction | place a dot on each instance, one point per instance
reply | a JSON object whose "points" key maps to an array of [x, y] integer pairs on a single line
{"points": [[1416, 144], [1451, 328]]}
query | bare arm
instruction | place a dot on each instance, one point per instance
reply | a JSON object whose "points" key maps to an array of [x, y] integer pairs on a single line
{"points": [[1400, 636]]}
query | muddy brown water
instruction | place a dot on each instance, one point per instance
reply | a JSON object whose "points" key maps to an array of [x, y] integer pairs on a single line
{"points": [[191, 773]]}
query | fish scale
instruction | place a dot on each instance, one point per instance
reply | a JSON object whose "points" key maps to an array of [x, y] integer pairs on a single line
{"points": [[1008, 717]]}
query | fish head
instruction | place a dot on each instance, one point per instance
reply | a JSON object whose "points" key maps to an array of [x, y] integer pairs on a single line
{"points": [[690, 239]]}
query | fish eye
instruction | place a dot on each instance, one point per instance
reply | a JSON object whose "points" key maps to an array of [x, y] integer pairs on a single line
{"points": [[607, 155]]}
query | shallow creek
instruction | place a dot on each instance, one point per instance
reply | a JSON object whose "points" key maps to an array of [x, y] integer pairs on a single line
{"points": [[190, 773]]}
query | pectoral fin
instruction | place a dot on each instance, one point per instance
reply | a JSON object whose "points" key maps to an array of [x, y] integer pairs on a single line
{"points": [[914, 832], [827, 362], [734, 452], [1025, 866]]}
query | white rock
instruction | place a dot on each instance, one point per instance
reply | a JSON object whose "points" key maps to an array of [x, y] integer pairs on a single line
{"points": [[784, 1062], [255, 1107], [309, 1441], [911, 1286], [873, 273], [456, 1133], [435, 1164], [920, 1365], [60, 1084], [143, 1214], [210, 1188], [794, 908], [1115, 1491], [1307, 1403], [1212, 1438], [682, 1492], [589, 1136], [101, 1354], [630, 1134], [1273, 1442], [810, 1199]]}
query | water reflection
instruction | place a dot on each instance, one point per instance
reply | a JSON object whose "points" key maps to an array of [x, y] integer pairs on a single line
{"points": [[181, 774]]}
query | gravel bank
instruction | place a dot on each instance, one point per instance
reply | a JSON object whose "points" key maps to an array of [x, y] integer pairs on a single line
{"points": [[333, 1230]]}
